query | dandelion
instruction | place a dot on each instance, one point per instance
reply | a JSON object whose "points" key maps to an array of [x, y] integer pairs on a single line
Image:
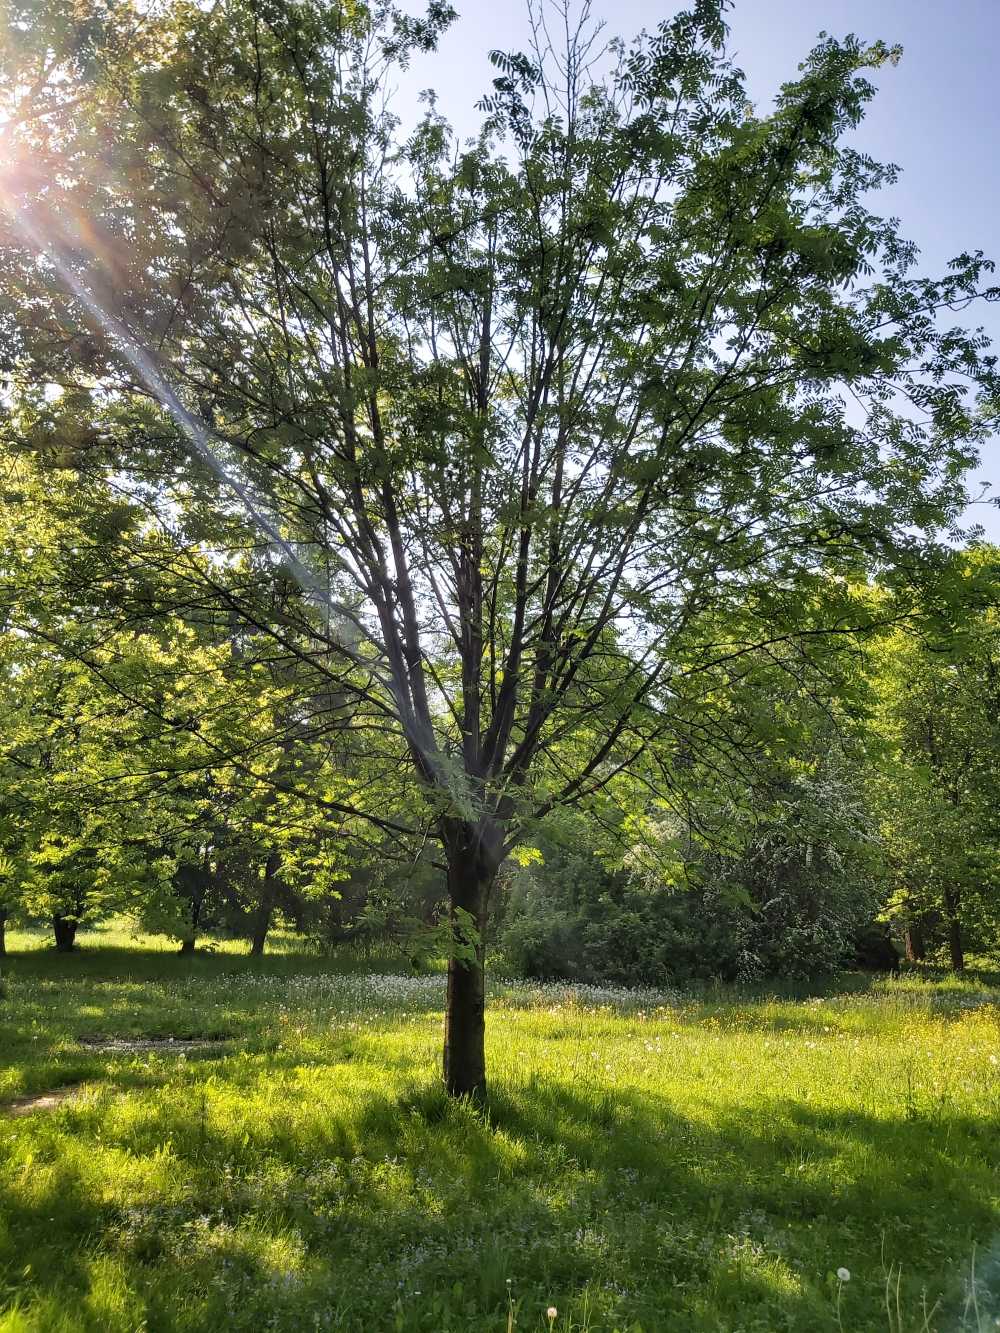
{"points": [[843, 1275], [552, 1314]]}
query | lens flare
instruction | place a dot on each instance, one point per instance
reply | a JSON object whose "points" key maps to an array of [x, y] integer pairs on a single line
{"points": [[150, 374], [345, 632]]}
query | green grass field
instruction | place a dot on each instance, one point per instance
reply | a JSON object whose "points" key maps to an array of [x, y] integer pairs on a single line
{"points": [[649, 1162]]}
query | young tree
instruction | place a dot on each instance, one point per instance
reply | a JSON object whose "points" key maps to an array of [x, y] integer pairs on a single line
{"points": [[137, 709], [64, 856], [518, 413]]}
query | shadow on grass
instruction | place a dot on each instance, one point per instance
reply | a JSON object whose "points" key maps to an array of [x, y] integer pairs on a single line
{"points": [[241, 1195], [96, 960], [411, 1211]]}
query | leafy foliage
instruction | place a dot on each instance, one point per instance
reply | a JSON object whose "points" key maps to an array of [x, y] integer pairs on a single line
{"points": [[936, 781], [549, 429]]}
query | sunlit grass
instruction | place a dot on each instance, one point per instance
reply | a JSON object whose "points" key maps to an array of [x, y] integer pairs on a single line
{"points": [[646, 1161]]}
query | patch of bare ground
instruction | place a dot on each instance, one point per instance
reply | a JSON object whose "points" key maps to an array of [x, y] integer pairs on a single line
{"points": [[41, 1101], [138, 1045]]}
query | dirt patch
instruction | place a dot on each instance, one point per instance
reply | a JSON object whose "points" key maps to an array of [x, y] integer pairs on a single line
{"points": [[138, 1045], [41, 1101]]}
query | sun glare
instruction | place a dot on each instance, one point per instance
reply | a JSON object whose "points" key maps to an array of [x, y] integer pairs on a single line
{"points": [[9, 158]]}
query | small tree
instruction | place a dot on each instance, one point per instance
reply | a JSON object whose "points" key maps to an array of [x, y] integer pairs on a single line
{"points": [[520, 411], [62, 857]]}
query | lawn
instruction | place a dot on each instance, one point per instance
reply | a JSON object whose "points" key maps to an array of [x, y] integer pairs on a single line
{"points": [[646, 1161]]}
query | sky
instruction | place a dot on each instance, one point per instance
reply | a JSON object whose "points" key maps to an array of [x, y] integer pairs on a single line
{"points": [[936, 115]]}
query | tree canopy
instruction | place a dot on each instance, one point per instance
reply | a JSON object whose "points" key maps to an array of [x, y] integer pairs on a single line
{"points": [[544, 434]]}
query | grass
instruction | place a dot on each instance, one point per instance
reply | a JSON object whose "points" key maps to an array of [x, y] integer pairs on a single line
{"points": [[652, 1162]]}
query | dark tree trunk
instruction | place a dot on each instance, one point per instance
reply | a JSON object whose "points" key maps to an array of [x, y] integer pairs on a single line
{"points": [[265, 908], [193, 881], [465, 1029], [913, 939], [64, 929], [3, 933], [470, 878], [955, 949], [258, 935]]}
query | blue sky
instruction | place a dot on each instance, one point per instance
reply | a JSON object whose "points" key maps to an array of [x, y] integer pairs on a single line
{"points": [[937, 114]]}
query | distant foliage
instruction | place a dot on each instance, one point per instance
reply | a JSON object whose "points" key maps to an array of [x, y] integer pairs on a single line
{"points": [[936, 769], [792, 902]]}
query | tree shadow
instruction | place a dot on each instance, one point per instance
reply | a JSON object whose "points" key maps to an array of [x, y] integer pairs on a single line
{"points": [[403, 1209], [410, 1209]]}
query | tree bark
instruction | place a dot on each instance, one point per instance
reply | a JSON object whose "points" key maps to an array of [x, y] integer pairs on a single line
{"points": [[64, 930], [3, 932], [265, 908], [470, 878], [955, 947], [195, 880], [913, 939]]}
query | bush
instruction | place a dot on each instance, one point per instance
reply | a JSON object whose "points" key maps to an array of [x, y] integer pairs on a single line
{"points": [[775, 910]]}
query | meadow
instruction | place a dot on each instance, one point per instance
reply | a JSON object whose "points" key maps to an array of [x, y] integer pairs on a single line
{"points": [[646, 1161]]}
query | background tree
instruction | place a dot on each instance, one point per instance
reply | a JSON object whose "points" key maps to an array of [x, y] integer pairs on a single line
{"points": [[759, 858], [141, 725], [69, 857], [938, 769]]}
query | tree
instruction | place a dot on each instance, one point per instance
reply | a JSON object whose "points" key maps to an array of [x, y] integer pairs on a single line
{"points": [[65, 857], [780, 850], [938, 767], [145, 748], [518, 414]]}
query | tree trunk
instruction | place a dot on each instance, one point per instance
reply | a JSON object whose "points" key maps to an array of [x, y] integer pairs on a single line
{"points": [[951, 903], [955, 944], [258, 935], [64, 929], [470, 878], [194, 881], [913, 938], [3, 932], [265, 908]]}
